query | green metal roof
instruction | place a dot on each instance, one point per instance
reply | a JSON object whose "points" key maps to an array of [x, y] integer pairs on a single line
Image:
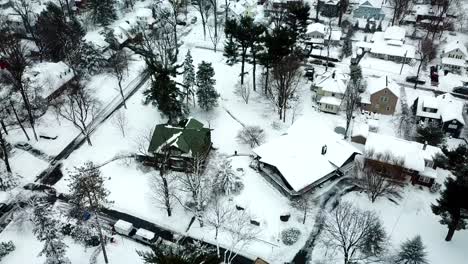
{"points": [[189, 137]]}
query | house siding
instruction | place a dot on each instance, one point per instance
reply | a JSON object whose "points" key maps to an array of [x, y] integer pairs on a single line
{"points": [[453, 128], [378, 106], [368, 12]]}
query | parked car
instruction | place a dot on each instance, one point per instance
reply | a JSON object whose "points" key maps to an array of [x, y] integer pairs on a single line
{"points": [[461, 90], [309, 73], [414, 79], [181, 22], [318, 62], [40, 187], [330, 64], [193, 20]]}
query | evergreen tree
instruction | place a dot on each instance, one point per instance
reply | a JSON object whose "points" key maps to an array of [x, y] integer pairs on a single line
{"points": [[297, 17], [431, 134], [453, 199], [228, 181], [58, 34], [230, 51], [355, 73], [347, 48], [412, 252], [102, 11], [453, 159], [47, 230], [88, 194], [206, 93], [6, 248], [189, 76], [164, 94]]}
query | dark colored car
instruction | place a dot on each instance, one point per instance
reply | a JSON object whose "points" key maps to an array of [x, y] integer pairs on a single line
{"points": [[181, 23], [461, 90], [414, 79], [330, 64], [318, 62], [40, 187]]}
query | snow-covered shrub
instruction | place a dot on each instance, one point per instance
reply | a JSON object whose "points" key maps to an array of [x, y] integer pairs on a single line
{"points": [[228, 181], [252, 136], [6, 248], [290, 236]]}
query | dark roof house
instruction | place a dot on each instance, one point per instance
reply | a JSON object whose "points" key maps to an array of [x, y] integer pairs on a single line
{"points": [[187, 140]]}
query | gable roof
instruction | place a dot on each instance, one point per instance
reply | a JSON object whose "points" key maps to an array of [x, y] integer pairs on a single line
{"points": [[454, 45], [295, 153], [336, 84], [189, 136], [48, 76], [411, 154], [395, 33], [375, 85], [316, 27], [371, 3], [448, 107]]}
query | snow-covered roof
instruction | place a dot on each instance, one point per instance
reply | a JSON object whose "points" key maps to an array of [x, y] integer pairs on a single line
{"points": [[48, 76], [335, 35], [455, 45], [360, 129], [377, 84], [371, 3], [330, 100], [448, 107], [316, 27], [295, 153], [395, 33], [333, 82], [144, 233], [453, 61], [382, 46], [123, 225], [411, 154]]}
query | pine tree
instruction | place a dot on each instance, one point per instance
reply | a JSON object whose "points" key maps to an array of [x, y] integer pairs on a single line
{"points": [[47, 230], [453, 199], [88, 194], [347, 47], [8, 180], [166, 96], [430, 134], [355, 72], [189, 75], [206, 93], [412, 252], [230, 51], [6, 248], [102, 11], [228, 181]]}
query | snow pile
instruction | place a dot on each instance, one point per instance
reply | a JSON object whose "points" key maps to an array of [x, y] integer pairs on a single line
{"points": [[49, 76]]}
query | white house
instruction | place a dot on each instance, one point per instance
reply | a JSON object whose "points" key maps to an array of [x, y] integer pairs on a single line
{"points": [[308, 155], [316, 32], [390, 45], [331, 88], [454, 57]]}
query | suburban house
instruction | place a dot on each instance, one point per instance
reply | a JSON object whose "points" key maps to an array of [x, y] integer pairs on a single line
{"points": [[331, 88], [179, 146], [401, 160], [381, 96], [444, 111], [316, 33], [242, 8], [454, 57], [369, 9], [329, 8], [307, 156], [49, 78], [390, 45], [425, 16]]}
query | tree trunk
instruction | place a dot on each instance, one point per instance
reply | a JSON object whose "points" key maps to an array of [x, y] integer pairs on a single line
{"points": [[122, 94], [19, 121], [5, 153], [101, 238], [340, 10], [452, 228], [88, 138], [417, 74], [28, 108], [267, 75], [166, 197], [254, 84], [3, 127], [244, 53], [317, 12], [203, 21], [305, 216]]}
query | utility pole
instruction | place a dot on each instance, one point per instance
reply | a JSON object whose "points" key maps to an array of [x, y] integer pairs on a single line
{"points": [[403, 63]]}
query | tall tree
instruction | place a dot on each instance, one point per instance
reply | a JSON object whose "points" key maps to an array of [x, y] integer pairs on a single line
{"points": [[203, 7], [351, 99], [412, 251], [206, 92], [189, 76], [400, 8], [47, 230], [453, 199], [118, 63], [297, 17], [58, 33], [358, 234], [4, 152], [88, 194], [427, 51], [102, 11], [430, 134], [256, 45], [342, 6], [179, 254]]}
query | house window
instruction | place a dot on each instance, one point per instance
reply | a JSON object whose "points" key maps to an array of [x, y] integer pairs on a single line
{"points": [[428, 163], [383, 99], [388, 108], [424, 179], [385, 91], [452, 126]]}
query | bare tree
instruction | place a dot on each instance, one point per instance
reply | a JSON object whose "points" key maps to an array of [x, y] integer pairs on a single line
{"points": [[204, 6], [118, 63], [426, 52], [251, 135], [120, 121], [213, 29], [440, 18], [357, 234], [286, 76], [142, 141], [374, 184], [243, 90], [199, 185], [218, 215], [406, 123], [79, 107], [351, 100], [304, 204], [240, 234], [163, 186], [175, 6], [400, 9], [4, 153]]}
